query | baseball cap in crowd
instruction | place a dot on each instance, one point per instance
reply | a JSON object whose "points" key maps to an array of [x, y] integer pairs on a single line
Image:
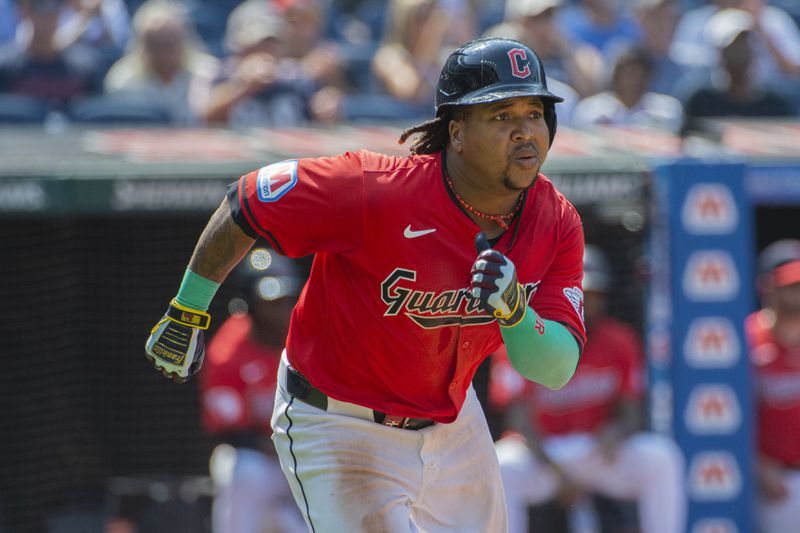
{"points": [[529, 8], [596, 270], [252, 22], [726, 25], [781, 261]]}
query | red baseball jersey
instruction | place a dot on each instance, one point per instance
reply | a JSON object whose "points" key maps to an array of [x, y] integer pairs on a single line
{"points": [[777, 380], [385, 319], [611, 369], [238, 379]]}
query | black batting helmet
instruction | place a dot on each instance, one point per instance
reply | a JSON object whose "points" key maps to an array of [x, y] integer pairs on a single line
{"points": [[492, 69]]}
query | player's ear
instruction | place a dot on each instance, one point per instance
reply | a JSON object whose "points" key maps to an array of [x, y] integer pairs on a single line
{"points": [[456, 129]]}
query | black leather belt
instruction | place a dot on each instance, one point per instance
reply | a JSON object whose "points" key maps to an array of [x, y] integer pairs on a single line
{"points": [[299, 387]]}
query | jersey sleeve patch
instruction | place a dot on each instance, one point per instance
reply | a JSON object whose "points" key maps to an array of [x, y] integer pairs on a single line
{"points": [[276, 180], [575, 297]]}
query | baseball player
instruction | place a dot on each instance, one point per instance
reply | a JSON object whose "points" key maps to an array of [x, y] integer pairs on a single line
{"points": [[586, 437], [237, 387], [376, 423], [773, 334]]}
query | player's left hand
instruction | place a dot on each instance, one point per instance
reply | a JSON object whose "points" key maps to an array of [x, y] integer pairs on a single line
{"points": [[176, 345], [494, 283]]}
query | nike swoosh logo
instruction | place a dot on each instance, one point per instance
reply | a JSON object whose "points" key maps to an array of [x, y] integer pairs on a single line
{"points": [[409, 233]]}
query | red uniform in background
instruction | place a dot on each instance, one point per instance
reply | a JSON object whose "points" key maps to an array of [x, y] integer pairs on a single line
{"points": [[238, 380], [610, 369], [777, 390], [773, 336]]}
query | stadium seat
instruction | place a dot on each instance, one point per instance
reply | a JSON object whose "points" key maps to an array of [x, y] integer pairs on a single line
{"points": [[20, 109], [117, 109]]}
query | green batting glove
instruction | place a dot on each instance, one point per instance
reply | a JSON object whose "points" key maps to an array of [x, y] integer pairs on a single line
{"points": [[176, 345]]}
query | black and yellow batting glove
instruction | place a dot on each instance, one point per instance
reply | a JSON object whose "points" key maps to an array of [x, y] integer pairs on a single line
{"points": [[176, 345], [494, 283]]}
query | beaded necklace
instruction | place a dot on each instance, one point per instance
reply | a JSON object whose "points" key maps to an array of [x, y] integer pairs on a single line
{"points": [[500, 220]]}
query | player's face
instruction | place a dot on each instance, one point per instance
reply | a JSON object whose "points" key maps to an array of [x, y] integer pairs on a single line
{"points": [[504, 142]]}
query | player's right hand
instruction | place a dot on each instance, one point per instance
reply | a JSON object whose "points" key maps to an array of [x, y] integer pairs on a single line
{"points": [[494, 283], [176, 345]]}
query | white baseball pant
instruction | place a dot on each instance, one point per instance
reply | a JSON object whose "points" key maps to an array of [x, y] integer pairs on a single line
{"points": [[351, 474], [648, 467], [252, 495]]}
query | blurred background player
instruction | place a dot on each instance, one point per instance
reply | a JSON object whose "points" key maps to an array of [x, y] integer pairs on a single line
{"points": [[774, 336], [587, 436], [237, 393]]}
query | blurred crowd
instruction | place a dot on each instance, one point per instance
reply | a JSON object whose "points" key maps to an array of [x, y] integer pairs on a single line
{"points": [[660, 64]]}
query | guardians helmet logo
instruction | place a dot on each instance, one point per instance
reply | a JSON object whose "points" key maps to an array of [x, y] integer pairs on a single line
{"points": [[430, 309]]}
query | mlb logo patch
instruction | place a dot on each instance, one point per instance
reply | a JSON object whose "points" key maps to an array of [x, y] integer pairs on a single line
{"points": [[276, 180], [710, 276], [713, 409], [712, 342], [709, 209], [714, 476]]}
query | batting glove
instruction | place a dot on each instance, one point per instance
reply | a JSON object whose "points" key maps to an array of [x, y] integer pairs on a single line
{"points": [[176, 345], [494, 283]]}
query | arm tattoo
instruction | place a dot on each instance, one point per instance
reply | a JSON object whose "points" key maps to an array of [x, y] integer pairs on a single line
{"points": [[220, 247]]}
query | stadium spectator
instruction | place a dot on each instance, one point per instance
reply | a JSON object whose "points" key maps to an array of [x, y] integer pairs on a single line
{"points": [[774, 337], [775, 36], [356, 22], [628, 102], [165, 63], [600, 23], [256, 87], [689, 46], [36, 64], [533, 22], [419, 35], [101, 27], [586, 437], [657, 21], [319, 61], [734, 90], [237, 385]]}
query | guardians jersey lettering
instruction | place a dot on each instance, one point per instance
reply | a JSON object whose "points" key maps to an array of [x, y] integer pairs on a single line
{"points": [[448, 308], [360, 215]]}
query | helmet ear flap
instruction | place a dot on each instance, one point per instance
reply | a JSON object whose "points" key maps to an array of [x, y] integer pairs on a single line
{"points": [[551, 119]]}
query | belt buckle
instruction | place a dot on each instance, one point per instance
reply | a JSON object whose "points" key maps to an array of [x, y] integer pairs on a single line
{"points": [[395, 421]]}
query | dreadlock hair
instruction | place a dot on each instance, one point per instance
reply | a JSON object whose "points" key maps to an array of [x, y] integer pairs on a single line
{"points": [[435, 133]]}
